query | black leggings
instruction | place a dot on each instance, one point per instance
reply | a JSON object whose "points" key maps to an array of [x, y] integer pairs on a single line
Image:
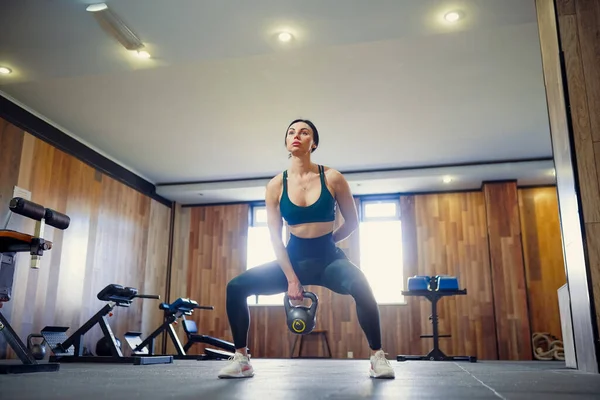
{"points": [[316, 262]]}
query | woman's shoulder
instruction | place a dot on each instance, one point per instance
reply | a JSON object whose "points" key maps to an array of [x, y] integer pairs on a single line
{"points": [[274, 185], [332, 174], [276, 180]]}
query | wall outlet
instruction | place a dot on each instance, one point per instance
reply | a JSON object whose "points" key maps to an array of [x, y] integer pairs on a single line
{"points": [[350, 354], [20, 192]]}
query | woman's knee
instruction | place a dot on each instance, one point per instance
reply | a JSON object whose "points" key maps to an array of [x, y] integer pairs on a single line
{"points": [[237, 287], [265, 279], [360, 288]]}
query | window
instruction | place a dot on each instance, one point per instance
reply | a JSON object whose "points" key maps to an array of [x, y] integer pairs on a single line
{"points": [[381, 249], [260, 250]]}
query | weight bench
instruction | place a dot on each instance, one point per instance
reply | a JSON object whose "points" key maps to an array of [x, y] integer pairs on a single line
{"points": [[433, 288], [191, 331], [70, 349], [172, 312], [11, 243]]}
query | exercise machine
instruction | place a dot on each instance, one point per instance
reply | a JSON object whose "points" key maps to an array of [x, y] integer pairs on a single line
{"points": [[11, 243], [433, 288], [193, 337], [70, 349], [172, 313]]}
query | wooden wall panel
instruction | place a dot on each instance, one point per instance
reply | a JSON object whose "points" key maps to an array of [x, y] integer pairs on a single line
{"points": [[580, 33], [155, 267], [565, 7], [209, 250], [543, 255], [563, 93], [117, 235], [575, 128], [508, 271], [580, 111], [451, 239], [11, 142], [442, 234]]}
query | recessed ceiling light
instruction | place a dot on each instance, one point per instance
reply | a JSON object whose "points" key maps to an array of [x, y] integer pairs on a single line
{"points": [[143, 54], [447, 179], [452, 16], [285, 36], [5, 70], [96, 7]]}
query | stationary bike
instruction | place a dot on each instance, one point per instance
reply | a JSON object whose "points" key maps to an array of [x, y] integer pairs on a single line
{"points": [[11, 243]]}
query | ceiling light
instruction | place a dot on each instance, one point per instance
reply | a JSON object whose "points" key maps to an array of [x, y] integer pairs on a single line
{"points": [[5, 70], [285, 36], [452, 16], [96, 7], [447, 179], [143, 54], [112, 24]]}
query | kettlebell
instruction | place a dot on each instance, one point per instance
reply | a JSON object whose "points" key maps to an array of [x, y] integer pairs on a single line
{"points": [[301, 320], [103, 346], [38, 350]]}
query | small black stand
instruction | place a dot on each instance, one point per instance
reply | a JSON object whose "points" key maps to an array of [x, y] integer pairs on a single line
{"points": [[435, 354]]}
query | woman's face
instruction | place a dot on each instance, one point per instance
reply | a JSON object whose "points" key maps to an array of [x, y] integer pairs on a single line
{"points": [[299, 139]]}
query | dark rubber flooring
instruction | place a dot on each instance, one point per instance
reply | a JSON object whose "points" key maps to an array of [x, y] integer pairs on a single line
{"points": [[306, 379]]}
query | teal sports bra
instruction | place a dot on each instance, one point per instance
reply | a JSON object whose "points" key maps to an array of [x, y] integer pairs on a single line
{"points": [[323, 210]]}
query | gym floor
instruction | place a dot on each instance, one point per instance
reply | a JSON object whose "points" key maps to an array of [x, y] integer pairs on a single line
{"points": [[302, 379]]}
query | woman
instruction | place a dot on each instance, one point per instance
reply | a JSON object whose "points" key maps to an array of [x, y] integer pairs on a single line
{"points": [[305, 195]]}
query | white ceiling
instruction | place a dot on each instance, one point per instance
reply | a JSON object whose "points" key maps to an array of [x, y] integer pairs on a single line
{"points": [[387, 82], [417, 180]]}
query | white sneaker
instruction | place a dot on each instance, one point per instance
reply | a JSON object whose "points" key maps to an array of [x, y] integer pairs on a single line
{"points": [[239, 367], [381, 367]]}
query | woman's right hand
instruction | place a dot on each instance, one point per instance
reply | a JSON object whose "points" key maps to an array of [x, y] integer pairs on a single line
{"points": [[295, 291]]}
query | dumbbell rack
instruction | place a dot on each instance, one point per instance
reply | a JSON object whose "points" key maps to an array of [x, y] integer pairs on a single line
{"points": [[435, 354]]}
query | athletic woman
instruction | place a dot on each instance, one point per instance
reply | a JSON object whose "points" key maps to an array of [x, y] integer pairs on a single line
{"points": [[305, 195]]}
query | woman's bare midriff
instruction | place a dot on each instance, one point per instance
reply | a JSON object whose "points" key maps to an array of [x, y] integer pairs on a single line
{"points": [[311, 230]]}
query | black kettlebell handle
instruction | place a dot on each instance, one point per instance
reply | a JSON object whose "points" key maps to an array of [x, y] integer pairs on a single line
{"points": [[308, 295], [34, 335]]}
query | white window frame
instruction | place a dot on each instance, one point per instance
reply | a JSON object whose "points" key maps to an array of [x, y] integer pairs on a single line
{"points": [[364, 218], [253, 301]]}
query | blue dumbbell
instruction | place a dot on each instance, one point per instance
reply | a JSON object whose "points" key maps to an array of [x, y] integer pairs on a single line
{"points": [[447, 283], [418, 282]]}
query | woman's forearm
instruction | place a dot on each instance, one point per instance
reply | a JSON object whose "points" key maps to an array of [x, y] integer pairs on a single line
{"points": [[345, 230], [284, 261]]}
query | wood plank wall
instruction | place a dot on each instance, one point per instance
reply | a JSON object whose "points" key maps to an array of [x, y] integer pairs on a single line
{"points": [[543, 256], [442, 234], [209, 249], [117, 235], [451, 239], [508, 272], [579, 28]]}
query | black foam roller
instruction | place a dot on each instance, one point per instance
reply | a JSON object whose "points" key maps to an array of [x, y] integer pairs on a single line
{"points": [[56, 219], [27, 208]]}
